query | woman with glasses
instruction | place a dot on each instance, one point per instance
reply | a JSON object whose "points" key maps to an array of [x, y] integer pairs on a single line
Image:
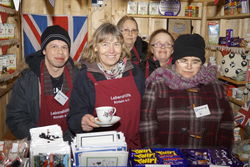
{"points": [[184, 106], [111, 80], [160, 49], [137, 47]]}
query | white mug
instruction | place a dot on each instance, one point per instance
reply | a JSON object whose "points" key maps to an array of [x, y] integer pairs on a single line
{"points": [[105, 113]]}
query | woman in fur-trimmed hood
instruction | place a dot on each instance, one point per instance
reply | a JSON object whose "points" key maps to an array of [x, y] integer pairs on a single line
{"points": [[184, 106]]}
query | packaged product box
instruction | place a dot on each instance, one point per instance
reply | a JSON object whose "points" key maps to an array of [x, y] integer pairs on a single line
{"points": [[3, 64], [7, 3], [177, 27], [153, 8], [244, 6], [213, 32], [2, 31], [157, 157], [10, 30], [132, 7], [11, 64], [143, 8]]}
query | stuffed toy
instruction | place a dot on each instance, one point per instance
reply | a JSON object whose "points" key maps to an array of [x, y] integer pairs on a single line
{"points": [[234, 65]]}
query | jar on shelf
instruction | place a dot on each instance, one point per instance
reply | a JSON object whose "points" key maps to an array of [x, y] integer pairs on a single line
{"points": [[226, 7]]}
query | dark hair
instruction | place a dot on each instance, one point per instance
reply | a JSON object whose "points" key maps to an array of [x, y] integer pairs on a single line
{"points": [[102, 33], [149, 53]]}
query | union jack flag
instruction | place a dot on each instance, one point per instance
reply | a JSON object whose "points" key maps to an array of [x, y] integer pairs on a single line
{"points": [[243, 117], [34, 25]]}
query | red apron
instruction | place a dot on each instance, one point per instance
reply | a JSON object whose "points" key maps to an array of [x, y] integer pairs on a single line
{"points": [[123, 94], [136, 55], [52, 112]]}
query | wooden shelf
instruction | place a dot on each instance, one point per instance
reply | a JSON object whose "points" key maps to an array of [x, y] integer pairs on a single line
{"points": [[7, 77], [6, 88], [235, 101], [7, 10], [238, 83], [166, 17], [232, 49], [9, 42], [238, 16], [199, 1]]}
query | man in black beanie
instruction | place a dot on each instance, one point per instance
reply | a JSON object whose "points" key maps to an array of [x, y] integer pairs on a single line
{"points": [[40, 96]]}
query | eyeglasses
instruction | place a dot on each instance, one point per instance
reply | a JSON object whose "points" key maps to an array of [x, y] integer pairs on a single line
{"points": [[128, 31], [162, 45], [185, 62]]}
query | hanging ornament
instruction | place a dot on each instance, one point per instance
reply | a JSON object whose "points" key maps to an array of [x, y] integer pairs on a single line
{"points": [[4, 49], [16, 4], [224, 52], [4, 17], [52, 2], [216, 2]]}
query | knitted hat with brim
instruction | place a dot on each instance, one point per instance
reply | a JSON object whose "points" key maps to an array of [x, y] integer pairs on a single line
{"points": [[189, 45], [54, 32]]}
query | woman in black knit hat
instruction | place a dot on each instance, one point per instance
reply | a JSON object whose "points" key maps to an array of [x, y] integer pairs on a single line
{"points": [[184, 106]]}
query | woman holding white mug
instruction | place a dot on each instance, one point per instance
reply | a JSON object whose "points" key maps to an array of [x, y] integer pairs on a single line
{"points": [[111, 80]]}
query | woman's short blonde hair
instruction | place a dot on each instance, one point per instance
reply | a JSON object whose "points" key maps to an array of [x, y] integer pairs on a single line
{"points": [[102, 33], [124, 19]]}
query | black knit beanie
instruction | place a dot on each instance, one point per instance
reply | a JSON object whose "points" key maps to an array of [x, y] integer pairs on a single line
{"points": [[54, 32], [189, 45]]}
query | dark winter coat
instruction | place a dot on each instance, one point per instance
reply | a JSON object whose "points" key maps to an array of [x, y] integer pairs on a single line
{"points": [[168, 118], [24, 105]]}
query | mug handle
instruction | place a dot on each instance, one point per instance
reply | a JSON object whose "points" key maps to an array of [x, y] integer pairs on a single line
{"points": [[114, 111]]}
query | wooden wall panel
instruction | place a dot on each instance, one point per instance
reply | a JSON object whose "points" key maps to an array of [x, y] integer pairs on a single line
{"points": [[62, 7], [99, 15], [119, 9], [3, 102]]}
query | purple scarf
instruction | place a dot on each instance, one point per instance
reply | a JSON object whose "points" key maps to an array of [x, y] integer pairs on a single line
{"points": [[206, 75]]}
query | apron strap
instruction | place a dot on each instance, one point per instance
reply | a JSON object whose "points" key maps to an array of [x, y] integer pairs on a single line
{"points": [[68, 77], [91, 77], [136, 55], [147, 69]]}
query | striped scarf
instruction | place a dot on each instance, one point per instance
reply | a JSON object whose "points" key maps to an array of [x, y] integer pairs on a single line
{"points": [[48, 87], [206, 75], [115, 72]]}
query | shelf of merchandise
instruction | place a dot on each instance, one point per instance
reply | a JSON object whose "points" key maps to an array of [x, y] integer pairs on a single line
{"points": [[7, 77], [6, 88], [165, 17], [238, 16], [234, 82], [7, 10], [7, 81], [9, 42]]}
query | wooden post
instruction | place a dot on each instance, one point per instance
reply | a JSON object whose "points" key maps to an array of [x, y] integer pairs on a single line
{"points": [[204, 20]]}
